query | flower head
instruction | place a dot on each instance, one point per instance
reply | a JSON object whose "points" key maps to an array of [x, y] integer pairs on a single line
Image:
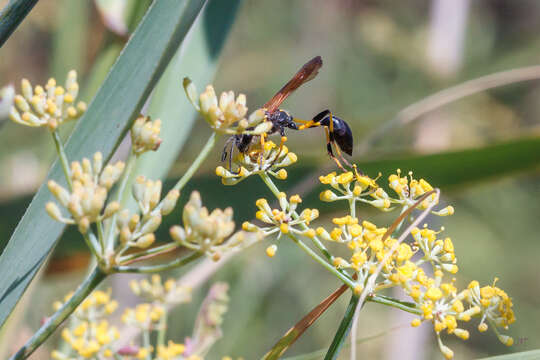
{"points": [[209, 233], [271, 159], [168, 292], [48, 106], [86, 201], [284, 220], [227, 115]]}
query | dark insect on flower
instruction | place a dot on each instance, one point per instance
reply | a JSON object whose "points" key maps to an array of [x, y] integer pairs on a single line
{"points": [[337, 130]]}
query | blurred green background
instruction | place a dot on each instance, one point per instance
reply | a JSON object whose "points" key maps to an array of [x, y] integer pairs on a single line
{"points": [[379, 57]]}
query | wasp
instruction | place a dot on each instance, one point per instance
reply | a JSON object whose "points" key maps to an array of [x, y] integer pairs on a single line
{"points": [[338, 133]]}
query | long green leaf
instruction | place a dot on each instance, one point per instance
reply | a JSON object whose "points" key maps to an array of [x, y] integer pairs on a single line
{"points": [[12, 15], [525, 355], [116, 104], [197, 58]]}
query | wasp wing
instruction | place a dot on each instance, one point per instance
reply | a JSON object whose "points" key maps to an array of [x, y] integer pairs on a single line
{"points": [[306, 73]]}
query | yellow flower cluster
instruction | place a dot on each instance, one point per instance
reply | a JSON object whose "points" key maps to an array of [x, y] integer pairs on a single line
{"points": [[144, 316], [168, 292], [283, 220], [145, 135], [90, 185], [439, 300], [227, 115], [138, 230], [50, 106], [271, 159], [209, 233], [89, 334]]}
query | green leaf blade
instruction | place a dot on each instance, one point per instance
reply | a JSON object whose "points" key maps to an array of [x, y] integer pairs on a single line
{"points": [[110, 114]]}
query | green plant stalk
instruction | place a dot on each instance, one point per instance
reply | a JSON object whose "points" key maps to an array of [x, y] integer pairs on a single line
{"points": [[146, 343], [196, 163], [89, 284], [63, 158], [101, 237], [12, 15], [386, 300], [343, 330], [348, 281], [162, 332], [92, 245], [110, 240], [153, 251], [157, 268]]}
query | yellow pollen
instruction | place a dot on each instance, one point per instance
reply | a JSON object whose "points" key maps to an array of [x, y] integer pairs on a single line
{"points": [[271, 250]]}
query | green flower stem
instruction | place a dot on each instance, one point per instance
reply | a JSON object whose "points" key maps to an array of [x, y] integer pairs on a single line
{"points": [[89, 284], [153, 251], [347, 280], [162, 332], [268, 181], [157, 268], [386, 300], [62, 156], [101, 237], [197, 162], [146, 343], [110, 240], [343, 330], [90, 240]]}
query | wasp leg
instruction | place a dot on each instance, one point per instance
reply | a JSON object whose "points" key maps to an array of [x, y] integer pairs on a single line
{"points": [[283, 139], [261, 153], [341, 157], [306, 124], [329, 142]]}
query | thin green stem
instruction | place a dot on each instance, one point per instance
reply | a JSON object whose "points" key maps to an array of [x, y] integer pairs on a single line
{"points": [[101, 237], [162, 332], [153, 251], [343, 330], [89, 284], [146, 343], [92, 244], [110, 240], [62, 156], [197, 162], [386, 300], [347, 280], [157, 268]]}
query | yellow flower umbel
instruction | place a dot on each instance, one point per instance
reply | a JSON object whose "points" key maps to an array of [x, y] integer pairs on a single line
{"points": [[168, 292], [89, 334], [284, 220], [271, 160], [86, 202], [50, 106], [436, 298], [227, 115], [209, 233], [138, 230]]}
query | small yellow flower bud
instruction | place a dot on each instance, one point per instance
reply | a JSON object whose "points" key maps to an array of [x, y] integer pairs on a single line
{"points": [[445, 350], [416, 322], [462, 334], [482, 327], [177, 233], [282, 174], [54, 211], [271, 250], [111, 208], [170, 201], [284, 228], [145, 241], [328, 196]]}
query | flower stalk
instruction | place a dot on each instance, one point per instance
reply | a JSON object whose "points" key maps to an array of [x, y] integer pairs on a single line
{"points": [[89, 284]]}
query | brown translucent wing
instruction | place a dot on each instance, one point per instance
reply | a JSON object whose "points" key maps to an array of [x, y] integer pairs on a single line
{"points": [[306, 73]]}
